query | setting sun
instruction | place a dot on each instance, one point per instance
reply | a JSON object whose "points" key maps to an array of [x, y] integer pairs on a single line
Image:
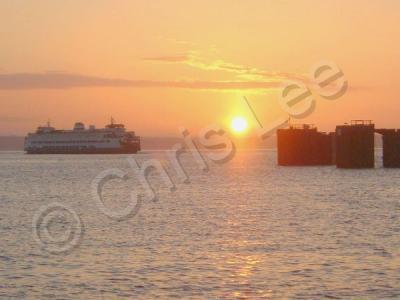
{"points": [[239, 124]]}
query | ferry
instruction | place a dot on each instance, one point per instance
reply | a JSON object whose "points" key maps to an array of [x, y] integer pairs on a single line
{"points": [[113, 139]]}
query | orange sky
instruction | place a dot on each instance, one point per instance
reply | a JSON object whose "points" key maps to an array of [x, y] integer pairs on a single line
{"points": [[158, 65]]}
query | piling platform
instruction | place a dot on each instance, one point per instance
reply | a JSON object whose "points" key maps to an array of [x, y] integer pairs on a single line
{"points": [[355, 145], [391, 147], [303, 145]]}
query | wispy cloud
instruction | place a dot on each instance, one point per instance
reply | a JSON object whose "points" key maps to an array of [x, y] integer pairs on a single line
{"points": [[52, 80], [173, 59], [31, 81], [194, 59], [244, 78]]}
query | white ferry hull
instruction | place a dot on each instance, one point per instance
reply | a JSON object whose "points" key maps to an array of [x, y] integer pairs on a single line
{"points": [[82, 151], [113, 139]]}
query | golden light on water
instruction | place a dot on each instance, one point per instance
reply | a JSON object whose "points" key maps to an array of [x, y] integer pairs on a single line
{"points": [[239, 125]]}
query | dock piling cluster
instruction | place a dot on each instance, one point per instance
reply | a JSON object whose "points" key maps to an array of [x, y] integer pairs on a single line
{"points": [[350, 146]]}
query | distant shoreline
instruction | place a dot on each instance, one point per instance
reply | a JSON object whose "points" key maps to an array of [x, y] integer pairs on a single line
{"points": [[16, 143]]}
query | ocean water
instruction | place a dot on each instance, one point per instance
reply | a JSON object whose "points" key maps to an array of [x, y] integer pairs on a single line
{"points": [[246, 229]]}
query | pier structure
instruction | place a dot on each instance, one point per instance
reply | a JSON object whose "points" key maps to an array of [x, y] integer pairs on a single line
{"points": [[303, 145], [391, 147], [355, 145], [350, 146]]}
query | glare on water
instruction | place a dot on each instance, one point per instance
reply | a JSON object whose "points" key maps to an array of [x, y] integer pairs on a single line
{"points": [[245, 229]]}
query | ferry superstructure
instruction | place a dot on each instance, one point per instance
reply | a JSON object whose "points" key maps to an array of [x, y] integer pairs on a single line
{"points": [[113, 139]]}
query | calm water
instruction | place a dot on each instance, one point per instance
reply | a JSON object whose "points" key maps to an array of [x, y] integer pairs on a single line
{"points": [[245, 229]]}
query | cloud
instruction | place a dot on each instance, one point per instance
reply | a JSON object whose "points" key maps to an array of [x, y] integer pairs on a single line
{"points": [[31, 81], [193, 59], [52, 80], [173, 59]]}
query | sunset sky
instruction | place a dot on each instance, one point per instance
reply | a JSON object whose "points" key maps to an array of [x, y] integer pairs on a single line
{"points": [[159, 65]]}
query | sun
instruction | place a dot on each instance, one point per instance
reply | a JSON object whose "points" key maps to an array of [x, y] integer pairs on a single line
{"points": [[239, 125]]}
